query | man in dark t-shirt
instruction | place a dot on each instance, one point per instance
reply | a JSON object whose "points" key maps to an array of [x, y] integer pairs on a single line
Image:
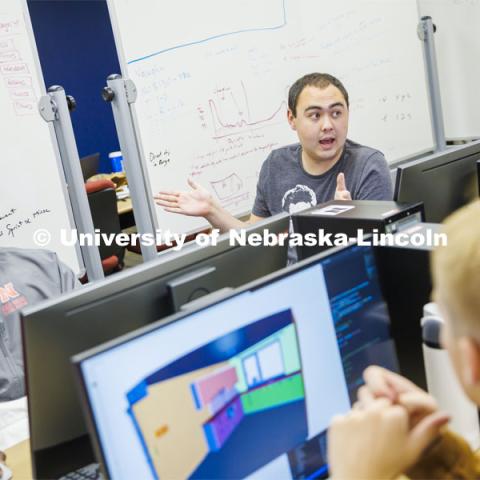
{"points": [[323, 166], [285, 185]]}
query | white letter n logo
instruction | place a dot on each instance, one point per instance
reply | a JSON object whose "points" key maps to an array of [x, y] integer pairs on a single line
{"points": [[7, 292]]}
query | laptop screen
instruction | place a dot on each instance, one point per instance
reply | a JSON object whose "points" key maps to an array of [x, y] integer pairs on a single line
{"points": [[247, 386]]}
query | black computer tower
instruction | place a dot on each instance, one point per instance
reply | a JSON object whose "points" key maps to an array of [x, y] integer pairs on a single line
{"points": [[351, 217]]}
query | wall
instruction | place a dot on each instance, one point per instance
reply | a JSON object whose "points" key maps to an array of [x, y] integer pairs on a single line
{"points": [[77, 51]]}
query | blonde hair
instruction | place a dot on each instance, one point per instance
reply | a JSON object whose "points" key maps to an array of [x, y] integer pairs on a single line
{"points": [[456, 270]]}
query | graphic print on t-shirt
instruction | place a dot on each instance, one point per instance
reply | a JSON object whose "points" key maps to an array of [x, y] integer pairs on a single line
{"points": [[10, 299], [298, 198]]}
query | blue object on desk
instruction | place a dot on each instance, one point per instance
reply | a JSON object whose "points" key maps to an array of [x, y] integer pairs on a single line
{"points": [[116, 161]]}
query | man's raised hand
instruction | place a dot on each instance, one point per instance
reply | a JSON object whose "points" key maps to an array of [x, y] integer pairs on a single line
{"points": [[341, 192]]}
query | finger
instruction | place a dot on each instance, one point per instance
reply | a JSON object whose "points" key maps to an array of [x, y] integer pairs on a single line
{"points": [[166, 196], [384, 382], [173, 210], [425, 433], [376, 380], [166, 192], [341, 182], [345, 195], [378, 404], [192, 184], [365, 396], [165, 203], [415, 402]]}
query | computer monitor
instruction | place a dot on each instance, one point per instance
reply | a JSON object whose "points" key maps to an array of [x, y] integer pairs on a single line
{"points": [[55, 330], [245, 386], [443, 182], [90, 165]]}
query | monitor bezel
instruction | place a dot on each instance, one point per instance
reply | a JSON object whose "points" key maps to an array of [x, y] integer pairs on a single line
{"points": [[407, 170]]}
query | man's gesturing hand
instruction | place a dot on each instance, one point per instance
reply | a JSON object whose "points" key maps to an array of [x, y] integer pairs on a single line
{"points": [[341, 193], [196, 202]]}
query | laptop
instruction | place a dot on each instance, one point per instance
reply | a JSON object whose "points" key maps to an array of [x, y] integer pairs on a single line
{"points": [[245, 386]]}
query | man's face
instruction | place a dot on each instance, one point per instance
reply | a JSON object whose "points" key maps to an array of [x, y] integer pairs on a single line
{"points": [[321, 122]]}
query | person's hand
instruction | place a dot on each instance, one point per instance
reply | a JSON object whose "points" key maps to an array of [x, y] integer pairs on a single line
{"points": [[380, 382], [385, 383], [196, 202], [378, 442], [341, 192]]}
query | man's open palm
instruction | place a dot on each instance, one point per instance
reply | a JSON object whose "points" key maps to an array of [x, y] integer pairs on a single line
{"points": [[195, 202]]}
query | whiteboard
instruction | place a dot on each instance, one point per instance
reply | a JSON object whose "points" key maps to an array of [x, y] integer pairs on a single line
{"points": [[32, 193], [213, 76], [457, 45]]}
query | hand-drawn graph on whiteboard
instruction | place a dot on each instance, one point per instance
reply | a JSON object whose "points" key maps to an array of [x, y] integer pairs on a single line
{"points": [[231, 115], [33, 195], [213, 77]]}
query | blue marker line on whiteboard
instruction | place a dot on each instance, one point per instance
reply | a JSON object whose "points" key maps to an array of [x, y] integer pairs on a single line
{"points": [[214, 37]]}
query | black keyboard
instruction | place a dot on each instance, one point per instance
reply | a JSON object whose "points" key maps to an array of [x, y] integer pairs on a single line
{"points": [[90, 472]]}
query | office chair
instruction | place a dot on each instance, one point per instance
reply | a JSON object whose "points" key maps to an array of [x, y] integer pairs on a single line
{"points": [[103, 206], [90, 165]]}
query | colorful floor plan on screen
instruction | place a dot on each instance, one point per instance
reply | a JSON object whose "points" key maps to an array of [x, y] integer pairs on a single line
{"points": [[227, 408]]}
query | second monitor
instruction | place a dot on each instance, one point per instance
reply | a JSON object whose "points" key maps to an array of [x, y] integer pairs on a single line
{"points": [[55, 330], [444, 181]]}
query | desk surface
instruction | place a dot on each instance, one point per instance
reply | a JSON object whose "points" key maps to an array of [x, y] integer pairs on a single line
{"points": [[18, 460], [124, 206]]}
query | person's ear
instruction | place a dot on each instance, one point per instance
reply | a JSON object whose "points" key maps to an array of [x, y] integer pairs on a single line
{"points": [[291, 119], [469, 351]]}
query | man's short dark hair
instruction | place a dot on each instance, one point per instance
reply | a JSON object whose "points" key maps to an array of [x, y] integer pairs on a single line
{"points": [[320, 80]]}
